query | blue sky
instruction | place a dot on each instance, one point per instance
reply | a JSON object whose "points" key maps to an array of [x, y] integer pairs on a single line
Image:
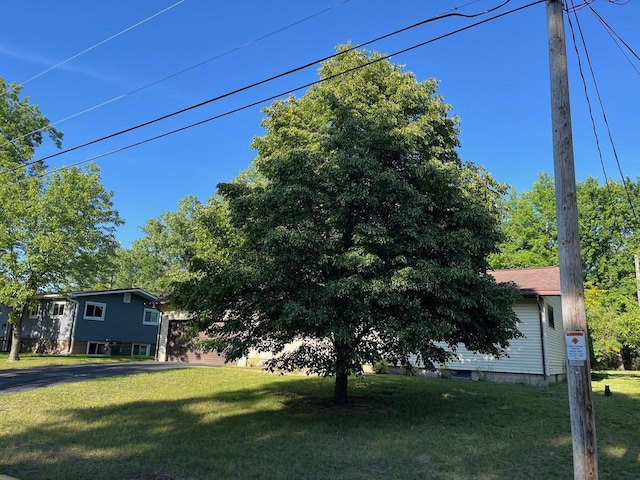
{"points": [[495, 76]]}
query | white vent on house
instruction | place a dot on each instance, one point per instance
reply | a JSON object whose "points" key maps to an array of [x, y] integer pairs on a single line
{"points": [[127, 297]]}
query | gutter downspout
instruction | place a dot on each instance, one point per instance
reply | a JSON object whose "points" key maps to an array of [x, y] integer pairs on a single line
{"points": [[542, 345], [72, 340], [157, 357]]}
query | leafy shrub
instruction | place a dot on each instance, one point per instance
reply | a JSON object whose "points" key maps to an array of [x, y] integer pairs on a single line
{"points": [[381, 367]]}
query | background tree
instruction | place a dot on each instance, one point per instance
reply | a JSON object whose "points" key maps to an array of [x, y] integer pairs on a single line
{"points": [[56, 231], [158, 258], [609, 234], [614, 327], [530, 228], [368, 238]]}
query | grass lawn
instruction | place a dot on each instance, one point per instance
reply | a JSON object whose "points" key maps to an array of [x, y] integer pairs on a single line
{"points": [[28, 360], [234, 423]]}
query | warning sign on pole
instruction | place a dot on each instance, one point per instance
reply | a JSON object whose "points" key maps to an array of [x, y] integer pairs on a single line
{"points": [[576, 346]]}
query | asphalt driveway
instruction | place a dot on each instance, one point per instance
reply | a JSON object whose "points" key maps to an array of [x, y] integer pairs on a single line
{"points": [[19, 380]]}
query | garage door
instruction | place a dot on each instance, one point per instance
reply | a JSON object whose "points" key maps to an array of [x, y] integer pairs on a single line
{"points": [[180, 349]]}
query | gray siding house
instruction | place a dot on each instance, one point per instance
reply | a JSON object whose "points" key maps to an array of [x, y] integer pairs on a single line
{"points": [[116, 322]]}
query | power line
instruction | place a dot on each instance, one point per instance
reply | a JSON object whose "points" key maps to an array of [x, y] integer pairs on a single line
{"points": [[613, 33], [274, 77], [175, 74], [586, 91], [575, 8], [602, 109], [102, 42], [290, 91]]}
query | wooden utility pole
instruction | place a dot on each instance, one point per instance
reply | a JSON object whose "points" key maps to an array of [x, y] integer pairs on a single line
{"points": [[637, 264], [583, 430]]}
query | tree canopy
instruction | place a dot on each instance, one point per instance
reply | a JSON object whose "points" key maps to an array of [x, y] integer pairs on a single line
{"points": [[530, 228], [158, 258], [365, 236], [57, 230]]}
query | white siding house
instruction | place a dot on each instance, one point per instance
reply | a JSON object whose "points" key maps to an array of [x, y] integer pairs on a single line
{"points": [[539, 356]]}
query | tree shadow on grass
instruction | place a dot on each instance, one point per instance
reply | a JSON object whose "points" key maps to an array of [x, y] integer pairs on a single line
{"points": [[401, 428]]}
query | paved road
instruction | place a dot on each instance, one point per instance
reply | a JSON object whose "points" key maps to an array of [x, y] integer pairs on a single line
{"points": [[19, 380]]}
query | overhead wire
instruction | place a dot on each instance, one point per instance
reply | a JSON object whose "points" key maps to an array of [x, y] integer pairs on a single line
{"points": [[602, 109], [575, 8], [613, 34], [180, 72], [292, 90], [73, 57], [586, 94], [270, 79]]}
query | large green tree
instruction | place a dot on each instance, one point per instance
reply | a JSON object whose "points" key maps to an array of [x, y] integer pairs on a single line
{"points": [[530, 227], [609, 233], [367, 239], [56, 230]]}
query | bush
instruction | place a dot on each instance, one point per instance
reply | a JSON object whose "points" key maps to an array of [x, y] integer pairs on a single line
{"points": [[381, 367], [410, 370]]}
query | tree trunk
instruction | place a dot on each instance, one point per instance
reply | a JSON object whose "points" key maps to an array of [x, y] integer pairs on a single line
{"points": [[16, 337], [340, 391]]}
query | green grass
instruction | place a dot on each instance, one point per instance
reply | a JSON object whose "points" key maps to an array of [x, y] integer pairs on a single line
{"points": [[28, 360], [233, 423]]}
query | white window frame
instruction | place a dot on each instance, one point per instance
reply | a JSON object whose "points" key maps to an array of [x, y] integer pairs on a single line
{"points": [[95, 304], [35, 311], [53, 307], [104, 344], [150, 310], [147, 347]]}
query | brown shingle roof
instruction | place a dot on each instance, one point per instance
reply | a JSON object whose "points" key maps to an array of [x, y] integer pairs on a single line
{"points": [[532, 281]]}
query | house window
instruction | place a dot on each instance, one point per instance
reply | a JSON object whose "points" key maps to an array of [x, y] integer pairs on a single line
{"points": [[57, 309], [34, 311], [550, 320], [94, 311], [140, 349], [96, 348], [127, 297], [151, 317]]}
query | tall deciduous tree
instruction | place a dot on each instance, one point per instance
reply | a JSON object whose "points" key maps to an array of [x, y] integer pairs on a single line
{"points": [[530, 228], [368, 238], [609, 233], [22, 127], [56, 231]]}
